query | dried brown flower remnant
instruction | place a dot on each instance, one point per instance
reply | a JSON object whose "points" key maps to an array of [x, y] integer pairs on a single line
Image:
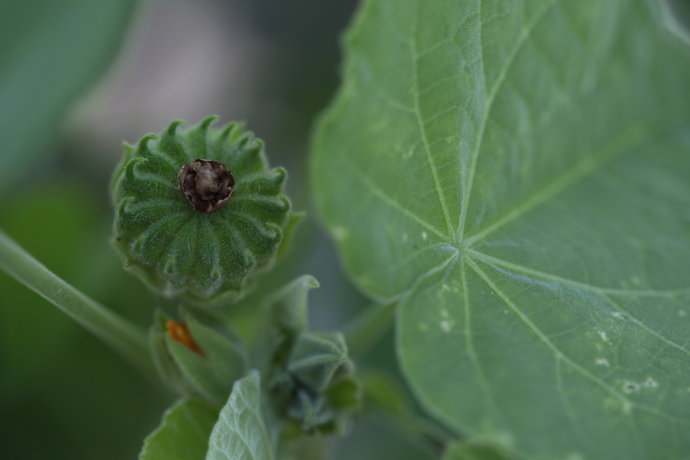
{"points": [[206, 184], [180, 333]]}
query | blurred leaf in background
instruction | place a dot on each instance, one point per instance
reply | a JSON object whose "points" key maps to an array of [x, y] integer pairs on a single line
{"points": [[676, 14], [51, 51]]}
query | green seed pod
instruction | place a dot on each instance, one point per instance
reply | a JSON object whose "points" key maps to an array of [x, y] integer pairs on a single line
{"points": [[198, 210]]}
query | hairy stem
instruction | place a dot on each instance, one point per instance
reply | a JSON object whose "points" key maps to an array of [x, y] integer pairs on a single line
{"points": [[123, 335]]}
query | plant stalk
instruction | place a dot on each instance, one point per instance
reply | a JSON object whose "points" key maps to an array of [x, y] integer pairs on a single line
{"points": [[367, 328], [127, 338]]}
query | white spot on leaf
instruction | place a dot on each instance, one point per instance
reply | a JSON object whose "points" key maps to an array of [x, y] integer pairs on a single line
{"points": [[626, 406], [651, 383], [618, 404], [339, 233], [602, 362], [603, 336], [424, 236]]}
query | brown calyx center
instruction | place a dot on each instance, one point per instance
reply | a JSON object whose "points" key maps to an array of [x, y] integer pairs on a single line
{"points": [[206, 184]]}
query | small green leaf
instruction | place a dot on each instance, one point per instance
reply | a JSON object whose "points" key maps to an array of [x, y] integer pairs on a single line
{"points": [[285, 316], [221, 345], [293, 221], [241, 432], [183, 433], [207, 366], [199, 371], [168, 369], [317, 357], [288, 306]]}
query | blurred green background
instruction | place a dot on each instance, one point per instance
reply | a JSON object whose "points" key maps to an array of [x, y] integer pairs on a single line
{"points": [[77, 78]]}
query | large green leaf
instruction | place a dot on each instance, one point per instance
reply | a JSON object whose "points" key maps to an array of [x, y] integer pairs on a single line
{"points": [[241, 432], [50, 52], [183, 434], [517, 174]]}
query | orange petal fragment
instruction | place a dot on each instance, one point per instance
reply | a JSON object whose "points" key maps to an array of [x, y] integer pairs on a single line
{"points": [[180, 333]]}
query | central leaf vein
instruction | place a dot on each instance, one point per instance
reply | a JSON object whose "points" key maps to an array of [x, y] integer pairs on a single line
{"points": [[469, 343], [519, 43], [632, 137], [425, 141], [578, 426], [577, 284], [604, 293]]}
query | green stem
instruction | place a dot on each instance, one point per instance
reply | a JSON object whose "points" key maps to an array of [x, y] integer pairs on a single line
{"points": [[126, 337], [413, 430], [368, 327]]}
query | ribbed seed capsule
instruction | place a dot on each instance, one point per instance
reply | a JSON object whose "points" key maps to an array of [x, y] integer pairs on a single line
{"points": [[198, 210]]}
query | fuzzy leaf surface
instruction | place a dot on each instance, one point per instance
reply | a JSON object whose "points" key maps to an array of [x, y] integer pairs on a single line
{"points": [[241, 432], [517, 175], [46, 64], [183, 434]]}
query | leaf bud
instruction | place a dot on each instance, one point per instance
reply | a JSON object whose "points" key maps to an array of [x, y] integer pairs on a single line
{"points": [[198, 356], [311, 377], [315, 387]]}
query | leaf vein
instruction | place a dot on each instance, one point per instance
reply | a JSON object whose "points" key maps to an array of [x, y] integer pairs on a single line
{"points": [[469, 344], [425, 141], [578, 426], [544, 339], [578, 284], [377, 191], [519, 43], [626, 142], [566, 359]]}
